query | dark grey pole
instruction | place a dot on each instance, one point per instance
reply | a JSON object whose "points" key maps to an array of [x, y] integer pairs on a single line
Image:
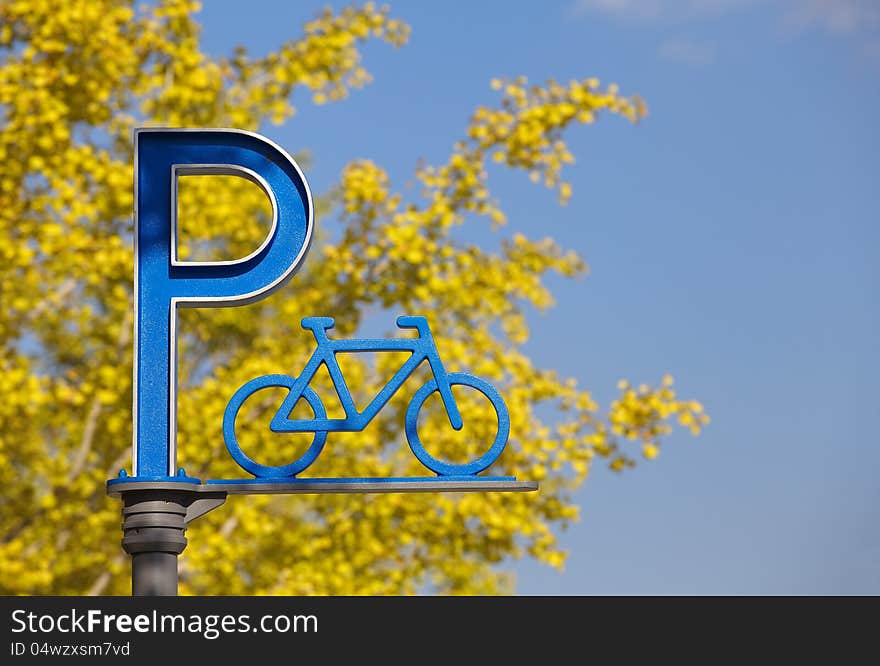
{"points": [[153, 526], [154, 520], [154, 574]]}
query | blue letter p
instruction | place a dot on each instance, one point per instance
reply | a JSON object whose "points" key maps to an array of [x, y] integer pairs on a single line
{"points": [[163, 283]]}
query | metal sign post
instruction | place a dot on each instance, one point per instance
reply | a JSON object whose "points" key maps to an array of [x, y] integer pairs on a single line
{"points": [[159, 500]]}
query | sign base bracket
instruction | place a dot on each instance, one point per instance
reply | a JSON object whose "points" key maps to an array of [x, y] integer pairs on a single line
{"points": [[156, 513]]}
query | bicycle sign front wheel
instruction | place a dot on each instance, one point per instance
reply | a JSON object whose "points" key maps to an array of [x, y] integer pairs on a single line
{"points": [[450, 469], [255, 468]]}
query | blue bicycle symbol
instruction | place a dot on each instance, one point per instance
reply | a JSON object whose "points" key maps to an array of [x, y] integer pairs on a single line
{"points": [[422, 348]]}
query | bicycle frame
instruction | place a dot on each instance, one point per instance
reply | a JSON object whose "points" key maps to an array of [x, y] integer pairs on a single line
{"points": [[422, 348]]}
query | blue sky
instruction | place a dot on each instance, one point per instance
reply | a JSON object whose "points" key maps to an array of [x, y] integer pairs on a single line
{"points": [[733, 242]]}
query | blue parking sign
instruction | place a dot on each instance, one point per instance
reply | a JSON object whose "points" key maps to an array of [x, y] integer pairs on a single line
{"points": [[164, 283]]}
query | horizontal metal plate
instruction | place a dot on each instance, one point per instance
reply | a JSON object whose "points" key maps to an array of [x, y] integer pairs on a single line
{"points": [[330, 486], [334, 486]]}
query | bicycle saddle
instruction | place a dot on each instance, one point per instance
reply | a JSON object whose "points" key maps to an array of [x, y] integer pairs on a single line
{"points": [[317, 323]]}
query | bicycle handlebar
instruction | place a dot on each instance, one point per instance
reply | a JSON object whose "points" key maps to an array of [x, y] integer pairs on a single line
{"points": [[413, 321]]}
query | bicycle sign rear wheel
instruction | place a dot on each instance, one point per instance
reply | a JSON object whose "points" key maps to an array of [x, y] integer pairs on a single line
{"points": [[450, 469], [231, 413]]}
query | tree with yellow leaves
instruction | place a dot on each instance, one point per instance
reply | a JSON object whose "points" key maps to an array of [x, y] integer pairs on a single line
{"points": [[76, 76]]}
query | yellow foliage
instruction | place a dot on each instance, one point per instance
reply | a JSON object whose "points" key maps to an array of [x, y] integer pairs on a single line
{"points": [[75, 77]]}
